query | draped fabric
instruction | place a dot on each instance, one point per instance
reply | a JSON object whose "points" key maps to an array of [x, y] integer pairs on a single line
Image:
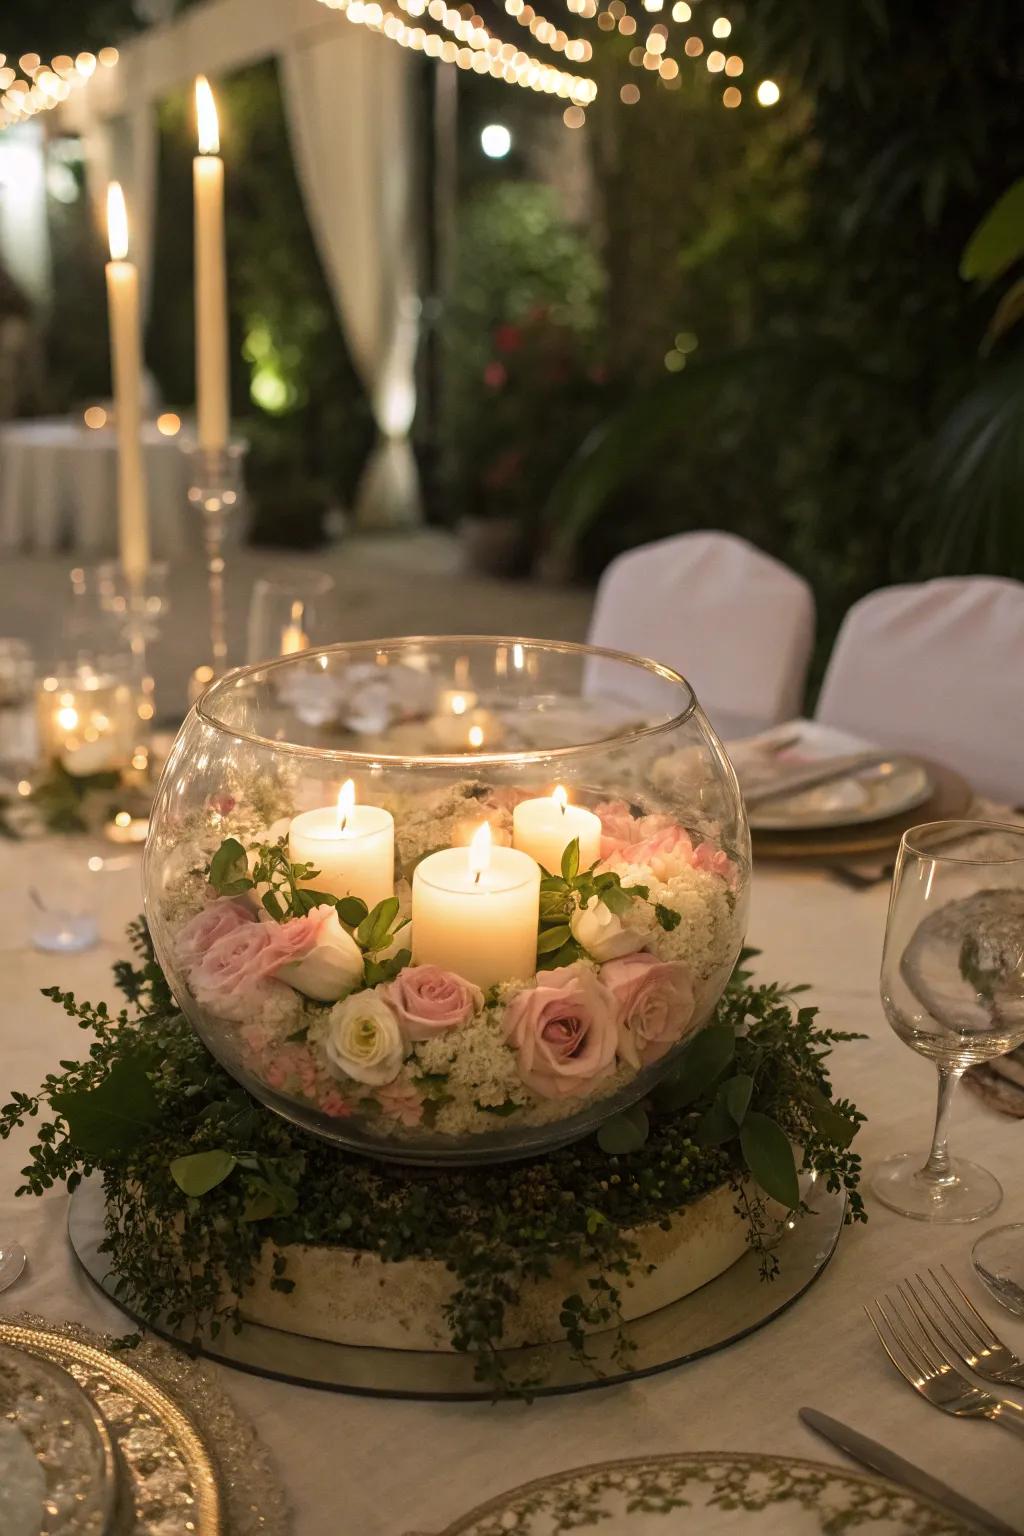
{"points": [[346, 96]]}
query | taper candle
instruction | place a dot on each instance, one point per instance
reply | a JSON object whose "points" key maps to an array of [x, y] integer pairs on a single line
{"points": [[126, 371], [211, 306]]}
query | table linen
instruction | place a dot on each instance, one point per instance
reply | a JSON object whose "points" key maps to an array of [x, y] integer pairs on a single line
{"points": [[380, 1467]]}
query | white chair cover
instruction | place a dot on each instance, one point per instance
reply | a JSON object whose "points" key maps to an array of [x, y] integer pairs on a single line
{"points": [[937, 668], [736, 623]]}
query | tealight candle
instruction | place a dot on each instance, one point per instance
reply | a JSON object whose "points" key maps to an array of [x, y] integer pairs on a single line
{"points": [[545, 827], [353, 847], [86, 722], [475, 911]]}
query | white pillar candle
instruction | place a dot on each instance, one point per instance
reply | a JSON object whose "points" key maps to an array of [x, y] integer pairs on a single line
{"points": [[545, 827], [126, 370], [211, 305], [353, 847], [475, 911]]}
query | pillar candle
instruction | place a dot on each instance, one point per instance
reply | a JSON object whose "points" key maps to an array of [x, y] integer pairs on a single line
{"points": [[475, 912], [353, 847], [126, 370], [545, 827], [211, 307]]}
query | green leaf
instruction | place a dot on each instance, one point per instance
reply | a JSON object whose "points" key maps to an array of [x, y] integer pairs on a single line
{"points": [[553, 904], [304, 900], [668, 917], [352, 910], [559, 957], [272, 904], [553, 938], [702, 1063], [199, 1172], [624, 1133], [114, 1116], [830, 1122], [509, 1107], [769, 1157], [735, 1095], [616, 899], [554, 883], [571, 860], [998, 240], [1009, 311], [376, 971], [715, 1126], [260, 1205], [375, 929], [229, 869]]}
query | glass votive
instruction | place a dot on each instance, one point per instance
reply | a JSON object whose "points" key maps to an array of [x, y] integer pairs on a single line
{"points": [[18, 750], [87, 718], [64, 920], [289, 613]]}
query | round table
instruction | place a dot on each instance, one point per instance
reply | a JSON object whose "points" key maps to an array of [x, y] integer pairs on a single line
{"points": [[384, 1467], [58, 487]]}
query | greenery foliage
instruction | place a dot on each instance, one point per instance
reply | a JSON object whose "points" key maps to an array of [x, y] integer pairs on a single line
{"points": [[149, 1109]]}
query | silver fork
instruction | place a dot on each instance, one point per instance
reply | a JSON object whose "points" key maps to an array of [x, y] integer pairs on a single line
{"points": [[919, 1358], [966, 1335]]}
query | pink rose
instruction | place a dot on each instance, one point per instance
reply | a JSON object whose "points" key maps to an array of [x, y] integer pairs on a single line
{"points": [[655, 1002], [203, 930], [292, 940], [564, 1030], [231, 977], [428, 1000]]}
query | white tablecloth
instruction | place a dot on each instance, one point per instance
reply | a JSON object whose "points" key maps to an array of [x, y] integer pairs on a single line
{"points": [[379, 1468], [58, 488]]}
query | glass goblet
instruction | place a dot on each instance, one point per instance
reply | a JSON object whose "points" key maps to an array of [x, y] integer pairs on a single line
{"points": [[952, 986]]}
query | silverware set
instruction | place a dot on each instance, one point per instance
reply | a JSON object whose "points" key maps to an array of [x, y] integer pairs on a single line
{"points": [[933, 1333]]}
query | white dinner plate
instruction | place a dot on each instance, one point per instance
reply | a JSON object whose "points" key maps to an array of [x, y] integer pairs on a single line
{"points": [[710, 1494], [894, 786]]}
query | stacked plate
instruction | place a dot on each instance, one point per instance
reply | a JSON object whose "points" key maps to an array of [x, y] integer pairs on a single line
{"points": [[90, 1446], [813, 792]]}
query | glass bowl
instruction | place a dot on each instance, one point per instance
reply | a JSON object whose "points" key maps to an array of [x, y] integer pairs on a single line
{"points": [[448, 900]]}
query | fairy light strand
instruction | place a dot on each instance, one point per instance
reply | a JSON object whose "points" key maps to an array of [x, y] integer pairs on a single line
{"points": [[34, 86]]}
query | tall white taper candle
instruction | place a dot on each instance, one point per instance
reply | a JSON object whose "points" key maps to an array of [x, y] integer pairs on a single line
{"points": [[211, 307], [126, 371]]}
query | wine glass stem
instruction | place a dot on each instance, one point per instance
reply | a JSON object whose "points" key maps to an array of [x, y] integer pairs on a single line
{"points": [[937, 1168]]}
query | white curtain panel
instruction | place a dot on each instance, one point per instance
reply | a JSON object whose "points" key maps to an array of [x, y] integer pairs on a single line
{"points": [[937, 668], [347, 101], [738, 625]]}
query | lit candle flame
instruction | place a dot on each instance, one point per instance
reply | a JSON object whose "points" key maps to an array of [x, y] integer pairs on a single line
{"points": [[346, 800], [206, 118], [117, 222], [560, 797], [458, 704], [480, 850], [67, 717], [476, 737]]}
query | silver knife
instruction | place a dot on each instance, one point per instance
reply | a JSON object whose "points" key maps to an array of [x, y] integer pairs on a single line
{"points": [[811, 776], [870, 1454]]}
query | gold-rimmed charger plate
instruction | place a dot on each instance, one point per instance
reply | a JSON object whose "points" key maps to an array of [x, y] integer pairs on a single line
{"points": [[168, 1471], [951, 798]]}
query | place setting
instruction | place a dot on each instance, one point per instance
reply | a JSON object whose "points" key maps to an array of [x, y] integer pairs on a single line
{"points": [[510, 771]]}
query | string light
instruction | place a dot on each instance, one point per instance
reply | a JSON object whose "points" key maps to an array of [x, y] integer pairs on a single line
{"points": [[768, 93], [41, 87]]}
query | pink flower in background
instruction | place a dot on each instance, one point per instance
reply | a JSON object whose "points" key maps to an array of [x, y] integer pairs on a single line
{"points": [[508, 338], [332, 1103], [428, 1001], [222, 804], [707, 857], [402, 1102], [495, 375], [564, 1030], [215, 922], [655, 1005]]}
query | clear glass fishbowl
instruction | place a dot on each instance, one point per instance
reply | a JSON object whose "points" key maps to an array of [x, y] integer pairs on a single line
{"points": [[448, 900]]}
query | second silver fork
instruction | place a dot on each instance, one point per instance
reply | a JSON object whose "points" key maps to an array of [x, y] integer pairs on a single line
{"points": [[966, 1333]]}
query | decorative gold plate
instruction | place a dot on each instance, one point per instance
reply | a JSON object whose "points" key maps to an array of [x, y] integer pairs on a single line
{"points": [[950, 798], [171, 1479]]}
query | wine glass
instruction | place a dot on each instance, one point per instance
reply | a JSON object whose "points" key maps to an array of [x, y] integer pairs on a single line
{"points": [[952, 986]]}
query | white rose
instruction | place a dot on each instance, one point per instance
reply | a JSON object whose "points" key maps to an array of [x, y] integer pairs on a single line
{"points": [[603, 935], [331, 968], [364, 1040]]}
